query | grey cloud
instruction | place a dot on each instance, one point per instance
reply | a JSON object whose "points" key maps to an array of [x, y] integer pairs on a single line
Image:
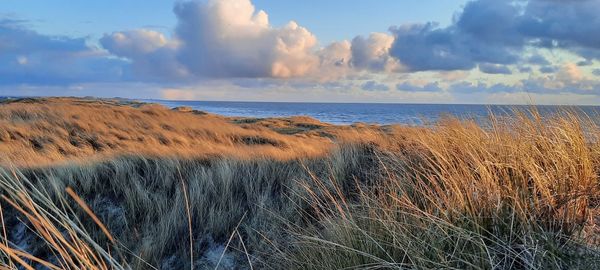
{"points": [[538, 60], [18, 39], [375, 86], [27, 57], [584, 63], [424, 47], [431, 87], [563, 23], [494, 69], [548, 69], [479, 35], [152, 55], [496, 32], [525, 69]]}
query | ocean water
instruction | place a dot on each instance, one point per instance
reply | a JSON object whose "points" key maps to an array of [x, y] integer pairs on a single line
{"points": [[376, 113]]}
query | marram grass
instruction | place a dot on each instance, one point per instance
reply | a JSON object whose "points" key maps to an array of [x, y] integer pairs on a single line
{"points": [[517, 193]]}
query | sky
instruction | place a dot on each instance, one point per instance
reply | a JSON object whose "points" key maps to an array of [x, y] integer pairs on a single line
{"points": [[392, 51]]}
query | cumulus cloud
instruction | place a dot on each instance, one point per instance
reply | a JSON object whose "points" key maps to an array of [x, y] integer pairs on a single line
{"points": [[229, 38], [342, 59], [334, 61], [218, 39], [136, 42], [372, 53]]}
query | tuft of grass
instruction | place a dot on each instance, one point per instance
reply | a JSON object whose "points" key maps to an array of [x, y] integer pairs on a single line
{"points": [[151, 207], [517, 194], [56, 227]]}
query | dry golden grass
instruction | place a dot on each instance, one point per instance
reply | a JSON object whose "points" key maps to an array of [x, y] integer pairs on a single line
{"points": [[46, 131], [37, 132], [518, 193], [523, 193]]}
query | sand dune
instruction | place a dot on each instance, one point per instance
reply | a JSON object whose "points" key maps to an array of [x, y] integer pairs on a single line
{"points": [[105, 184], [49, 130]]}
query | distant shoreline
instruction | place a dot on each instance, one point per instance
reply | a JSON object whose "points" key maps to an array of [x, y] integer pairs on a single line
{"points": [[155, 100]]}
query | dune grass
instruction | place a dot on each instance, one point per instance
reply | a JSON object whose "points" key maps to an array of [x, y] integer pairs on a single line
{"points": [[38, 132], [520, 192], [142, 203]]}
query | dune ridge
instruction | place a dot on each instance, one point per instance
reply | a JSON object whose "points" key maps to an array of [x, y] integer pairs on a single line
{"points": [[37, 131]]}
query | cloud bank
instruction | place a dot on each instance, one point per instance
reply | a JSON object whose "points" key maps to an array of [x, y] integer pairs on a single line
{"points": [[27, 57], [491, 32], [515, 41]]}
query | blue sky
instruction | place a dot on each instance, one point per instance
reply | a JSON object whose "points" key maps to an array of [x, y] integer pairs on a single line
{"points": [[344, 19], [330, 20], [478, 51]]}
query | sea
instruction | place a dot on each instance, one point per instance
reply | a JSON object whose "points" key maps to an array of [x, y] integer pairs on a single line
{"points": [[371, 113]]}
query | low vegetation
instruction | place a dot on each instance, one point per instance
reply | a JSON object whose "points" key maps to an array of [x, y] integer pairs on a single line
{"points": [[35, 132], [518, 192]]}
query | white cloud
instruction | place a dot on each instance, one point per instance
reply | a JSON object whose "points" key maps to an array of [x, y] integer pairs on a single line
{"points": [[372, 53], [229, 38], [334, 61]]}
